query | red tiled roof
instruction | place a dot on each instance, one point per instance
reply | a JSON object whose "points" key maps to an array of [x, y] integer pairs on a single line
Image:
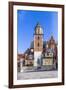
{"points": [[20, 56]]}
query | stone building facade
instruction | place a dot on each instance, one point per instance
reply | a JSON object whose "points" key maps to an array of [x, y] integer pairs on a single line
{"points": [[40, 52]]}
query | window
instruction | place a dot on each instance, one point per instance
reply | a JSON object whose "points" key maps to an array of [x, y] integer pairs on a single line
{"points": [[38, 37], [38, 44]]}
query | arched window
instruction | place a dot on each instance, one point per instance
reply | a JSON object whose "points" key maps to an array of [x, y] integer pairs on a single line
{"points": [[38, 37], [38, 44]]}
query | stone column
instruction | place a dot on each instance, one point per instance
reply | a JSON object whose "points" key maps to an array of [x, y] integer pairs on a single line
{"points": [[21, 65]]}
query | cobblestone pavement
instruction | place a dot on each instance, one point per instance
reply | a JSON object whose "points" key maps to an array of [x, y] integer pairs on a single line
{"points": [[37, 75]]}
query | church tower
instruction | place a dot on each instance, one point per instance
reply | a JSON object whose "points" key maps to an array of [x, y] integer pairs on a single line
{"points": [[38, 43]]}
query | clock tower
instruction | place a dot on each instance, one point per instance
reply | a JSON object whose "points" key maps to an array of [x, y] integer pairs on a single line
{"points": [[38, 43]]}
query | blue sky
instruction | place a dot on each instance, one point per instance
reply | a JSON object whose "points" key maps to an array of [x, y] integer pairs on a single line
{"points": [[27, 21]]}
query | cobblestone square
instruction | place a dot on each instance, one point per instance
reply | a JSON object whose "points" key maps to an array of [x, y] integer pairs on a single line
{"points": [[37, 75]]}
